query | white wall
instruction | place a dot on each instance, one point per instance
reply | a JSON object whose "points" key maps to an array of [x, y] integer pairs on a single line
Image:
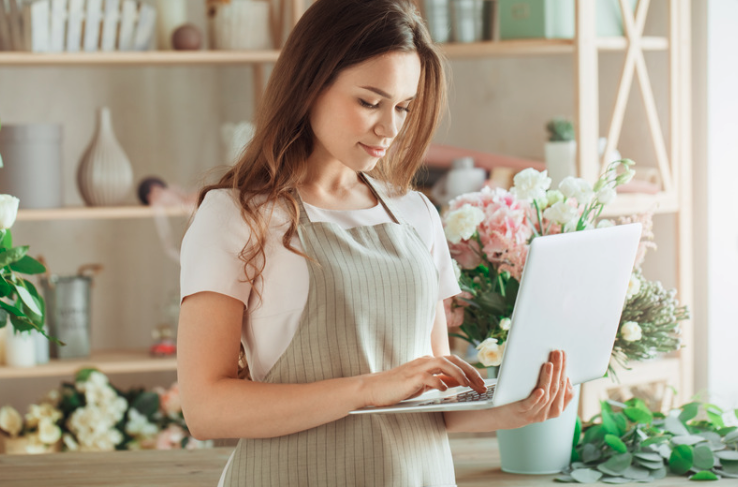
{"points": [[716, 173]]}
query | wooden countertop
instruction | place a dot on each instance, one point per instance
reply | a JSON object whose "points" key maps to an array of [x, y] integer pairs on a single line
{"points": [[476, 459]]}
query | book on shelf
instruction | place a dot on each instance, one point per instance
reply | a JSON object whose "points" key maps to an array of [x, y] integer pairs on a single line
{"points": [[75, 17], [56, 26]]}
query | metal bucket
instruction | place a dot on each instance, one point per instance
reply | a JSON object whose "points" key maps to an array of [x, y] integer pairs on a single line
{"points": [[68, 311]]}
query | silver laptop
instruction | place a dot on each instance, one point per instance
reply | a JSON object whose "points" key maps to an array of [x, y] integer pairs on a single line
{"points": [[571, 296]]}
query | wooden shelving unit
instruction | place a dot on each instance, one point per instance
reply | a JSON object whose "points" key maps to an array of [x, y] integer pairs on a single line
{"points": [[101, 213], [107, 361], [133, 58]]}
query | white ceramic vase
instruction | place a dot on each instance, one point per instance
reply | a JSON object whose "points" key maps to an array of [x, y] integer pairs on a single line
{"points": [[104, 175], [20, 348], [561, 161]]}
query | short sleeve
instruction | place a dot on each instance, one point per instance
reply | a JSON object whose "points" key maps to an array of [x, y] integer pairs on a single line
{"points": [[448, 284], [210, 250]]}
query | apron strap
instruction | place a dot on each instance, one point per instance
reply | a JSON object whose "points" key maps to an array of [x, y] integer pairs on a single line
{"points": [[304, 218]]}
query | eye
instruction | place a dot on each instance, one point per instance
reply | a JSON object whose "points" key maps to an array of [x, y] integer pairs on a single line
{"points": [[403, 109], [367, 104]]}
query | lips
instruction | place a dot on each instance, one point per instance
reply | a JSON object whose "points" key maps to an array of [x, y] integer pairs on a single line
{"points": [[374, 151]]}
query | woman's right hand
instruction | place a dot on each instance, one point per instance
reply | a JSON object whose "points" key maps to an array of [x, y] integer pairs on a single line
{"points": [[413, 378]]}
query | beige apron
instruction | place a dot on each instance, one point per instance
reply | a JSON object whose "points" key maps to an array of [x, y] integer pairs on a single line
{"points": [[372, 297]]}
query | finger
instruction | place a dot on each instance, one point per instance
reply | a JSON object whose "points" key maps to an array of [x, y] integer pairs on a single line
{"points": [[441, 365], [559, 403], [475, 379], [544, 384], [556, 360], [449, 381], [533, 401], [435, 382]]}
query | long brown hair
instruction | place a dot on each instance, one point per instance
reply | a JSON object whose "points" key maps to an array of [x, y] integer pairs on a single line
{"points": [[331, 36]]}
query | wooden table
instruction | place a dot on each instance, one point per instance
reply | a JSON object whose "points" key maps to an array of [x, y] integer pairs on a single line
{"points": [[476, 459]]}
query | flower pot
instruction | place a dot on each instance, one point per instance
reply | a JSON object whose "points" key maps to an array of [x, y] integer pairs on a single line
{"points": [[20, 348], [540, 448], [561, 160]]}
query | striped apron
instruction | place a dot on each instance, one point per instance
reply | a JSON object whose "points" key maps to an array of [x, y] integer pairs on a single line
{"points": [[372, 297]]}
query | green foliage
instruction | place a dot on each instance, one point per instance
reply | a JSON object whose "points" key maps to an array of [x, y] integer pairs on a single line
{"points": [[630, 444], [560, 130]]}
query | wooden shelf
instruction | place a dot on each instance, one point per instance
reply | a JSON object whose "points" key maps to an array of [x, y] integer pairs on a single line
{"points": [[98, 213], [631, 203], [522, 47], [137, 58], [107, 361]]}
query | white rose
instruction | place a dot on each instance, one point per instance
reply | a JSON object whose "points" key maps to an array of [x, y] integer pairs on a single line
{"points": [[462, 223], [490, 353], [10, 421], [8, 210], [505, 324], [456, 268], [631, 331], [530, 184], [605, 223], [37, 412], [606, 195], [560, 213], [48, 431], [634, 286]]}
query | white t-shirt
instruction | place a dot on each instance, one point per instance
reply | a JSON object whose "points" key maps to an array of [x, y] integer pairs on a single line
{"points": [[210, 262]]}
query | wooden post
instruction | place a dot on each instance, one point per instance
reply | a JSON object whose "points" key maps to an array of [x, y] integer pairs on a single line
{"points": [[586, 93]]}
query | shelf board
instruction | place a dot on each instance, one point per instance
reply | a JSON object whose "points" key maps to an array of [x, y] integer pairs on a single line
{"points": [[518, 47], [631, 203], [138, 58], [107, 361], [98, 213]]}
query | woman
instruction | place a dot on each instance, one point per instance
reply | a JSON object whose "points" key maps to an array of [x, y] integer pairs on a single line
{"points": [[331, 279]]}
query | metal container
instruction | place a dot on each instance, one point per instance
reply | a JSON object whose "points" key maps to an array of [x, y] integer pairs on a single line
{"points": [[436, 13], [32, 157], [472, 20], [68, 311]]}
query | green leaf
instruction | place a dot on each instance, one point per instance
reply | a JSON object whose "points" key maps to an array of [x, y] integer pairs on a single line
{"points": [[7, 240], [704, 475], [638, 415], [590, 453], [21, 323], [731, 437], [654, 440], [27, 299], [675, 426], [727, 455], [636, 473], [616, 443], [3, 318], [681, 459], [608, 422], [703, 457], [12, 255], [730, 466], [564, 479], [616, 464], [716, 419], [84, 374], [594, 434], [5, 288], [687, 440], [622, 423], [586, 475], [727, 430], [689, 411], [28, 265], [649, 457], [147, 404], [577, 431], [615, 480]]}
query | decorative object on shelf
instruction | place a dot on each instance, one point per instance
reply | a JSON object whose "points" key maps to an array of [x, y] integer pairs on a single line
{"points": [[20, 349], [561, 150], [104, 174], [240, 24], [68, 310], [33, 160], [462, 178], [633, 444], [437, 15], [187, 37], [90, 414], [164, 343], [170, 15], [472, 20], [554, 19], [489, 233]]}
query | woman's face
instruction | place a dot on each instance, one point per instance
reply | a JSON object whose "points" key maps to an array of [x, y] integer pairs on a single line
{"points": [[357, 117]]}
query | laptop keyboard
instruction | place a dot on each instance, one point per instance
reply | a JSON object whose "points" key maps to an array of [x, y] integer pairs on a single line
{"points": [[469, 396]]}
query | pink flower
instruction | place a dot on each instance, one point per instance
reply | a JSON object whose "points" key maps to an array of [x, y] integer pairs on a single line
{"points": [[170, 438], [170, 401], [466, 254]]}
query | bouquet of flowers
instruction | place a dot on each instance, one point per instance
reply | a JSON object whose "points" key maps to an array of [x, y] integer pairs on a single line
{"points": [[92, 415], [489, 234]]}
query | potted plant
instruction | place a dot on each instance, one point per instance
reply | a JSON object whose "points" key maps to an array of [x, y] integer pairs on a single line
{"points": [[489, 233], [560, 150]]}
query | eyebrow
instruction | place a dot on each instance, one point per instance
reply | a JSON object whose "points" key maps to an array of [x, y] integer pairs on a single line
{"points": [[384, 93]]}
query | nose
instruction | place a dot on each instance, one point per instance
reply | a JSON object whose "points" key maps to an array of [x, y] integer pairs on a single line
{"points": [[389, 124]]}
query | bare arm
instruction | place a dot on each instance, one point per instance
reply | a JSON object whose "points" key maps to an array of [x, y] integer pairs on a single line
{"points": [[548, 400], [217, 404]]}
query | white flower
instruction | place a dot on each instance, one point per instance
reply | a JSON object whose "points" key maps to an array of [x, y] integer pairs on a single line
{"points": [[505, 323], [606, 195], [8, 210], [490, 353], [70, 442], [37, 412], [10, 421], [631, 331], [561, 213], [576, 188], [35, 446], [456, 268], [530, 184], [634, 286], [462, 223], [48, 431], [553, 196], [139, 425], [605, 223]]}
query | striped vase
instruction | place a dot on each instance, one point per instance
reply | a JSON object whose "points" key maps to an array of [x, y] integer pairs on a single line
{"points": [[104, 175]]}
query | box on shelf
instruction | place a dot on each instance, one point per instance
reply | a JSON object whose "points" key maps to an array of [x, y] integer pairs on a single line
{"points": [[461, 20], [554, 19], [76, 25]]}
